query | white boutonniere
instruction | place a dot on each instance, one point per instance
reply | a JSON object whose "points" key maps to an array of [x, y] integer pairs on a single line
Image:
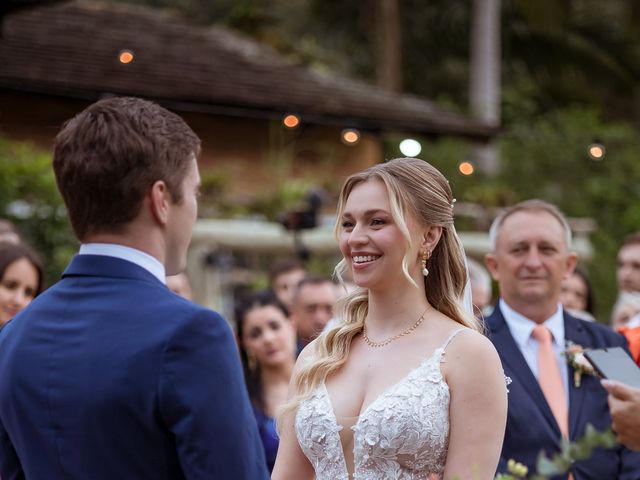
{"points": [[575, 358]]}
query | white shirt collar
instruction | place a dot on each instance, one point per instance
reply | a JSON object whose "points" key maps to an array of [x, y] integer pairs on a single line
{"points": [[133, 255], [521, 326]]}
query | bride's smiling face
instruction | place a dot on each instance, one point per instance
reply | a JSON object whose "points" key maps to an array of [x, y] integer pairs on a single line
{"points": [[371, 241]]}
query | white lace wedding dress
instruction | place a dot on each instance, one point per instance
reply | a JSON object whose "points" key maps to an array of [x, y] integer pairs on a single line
{"points": [[403, 434]]}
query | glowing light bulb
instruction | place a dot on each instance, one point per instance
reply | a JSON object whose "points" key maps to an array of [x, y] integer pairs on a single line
{"points": [[125, 56], [291, 121], [596, 151], [410, 147], [466, 168], [350, 136]]}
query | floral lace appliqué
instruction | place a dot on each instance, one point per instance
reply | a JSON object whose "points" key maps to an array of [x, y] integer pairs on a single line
{"points": [[403, 434]]}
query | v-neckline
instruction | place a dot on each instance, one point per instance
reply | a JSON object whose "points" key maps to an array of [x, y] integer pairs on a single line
{"points": [[327, 398], [382, 394]]}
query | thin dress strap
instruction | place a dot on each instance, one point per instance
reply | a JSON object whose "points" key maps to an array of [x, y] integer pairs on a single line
{"points": [[448, 341]]}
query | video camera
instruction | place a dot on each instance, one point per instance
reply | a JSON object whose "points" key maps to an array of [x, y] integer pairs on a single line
{"points": [[297, 220], [305, 219]]}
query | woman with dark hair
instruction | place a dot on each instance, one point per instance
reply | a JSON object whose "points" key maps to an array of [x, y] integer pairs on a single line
{"points": [[267, 348], [21, 279], [576, 295]]}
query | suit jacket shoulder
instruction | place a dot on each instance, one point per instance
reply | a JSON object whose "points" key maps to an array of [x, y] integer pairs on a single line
{"points": [[531, 426], [599, 335], [112, 362]]}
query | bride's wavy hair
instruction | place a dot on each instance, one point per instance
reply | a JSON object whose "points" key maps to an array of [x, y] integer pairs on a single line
{"points": [[418, 189]]}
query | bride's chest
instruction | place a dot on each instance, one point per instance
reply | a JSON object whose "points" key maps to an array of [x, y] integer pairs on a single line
{"points": [[405, 429], [419, 398], [407, 415], [361, 381]]}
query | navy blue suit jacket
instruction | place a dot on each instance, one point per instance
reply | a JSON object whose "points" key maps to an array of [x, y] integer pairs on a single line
{"points": [[531, 427], [109, 375]]}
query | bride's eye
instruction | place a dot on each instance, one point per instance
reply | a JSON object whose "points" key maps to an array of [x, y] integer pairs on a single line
{"points": [[347, 224]]}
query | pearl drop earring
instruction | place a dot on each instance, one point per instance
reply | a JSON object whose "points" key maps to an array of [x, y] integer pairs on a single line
{"points": [[425, 257]]}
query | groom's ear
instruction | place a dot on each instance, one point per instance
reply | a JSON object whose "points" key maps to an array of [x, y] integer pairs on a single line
{"points": [[159, 202]]}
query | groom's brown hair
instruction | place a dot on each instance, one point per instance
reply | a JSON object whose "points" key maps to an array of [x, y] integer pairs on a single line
{"points": [[108, 156]]}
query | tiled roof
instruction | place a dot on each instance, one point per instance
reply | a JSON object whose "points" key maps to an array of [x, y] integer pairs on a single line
{"points": [[71, 49]]}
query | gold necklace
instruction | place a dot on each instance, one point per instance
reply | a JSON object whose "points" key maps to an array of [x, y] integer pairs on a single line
{"points": [[371, 343]]}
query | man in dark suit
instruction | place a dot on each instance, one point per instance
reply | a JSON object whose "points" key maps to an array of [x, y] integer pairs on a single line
{"points": [[530, 257], [109, 375]]}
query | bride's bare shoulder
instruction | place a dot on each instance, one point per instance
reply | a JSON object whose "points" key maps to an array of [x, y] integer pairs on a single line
{"points": [[468, 342], [471, 353], [307, 355]]}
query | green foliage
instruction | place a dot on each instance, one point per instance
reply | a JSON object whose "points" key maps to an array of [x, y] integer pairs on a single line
{"points": [[551, 151], [283, 198], [561, 462], [214, 196], [30, 199], [546, 157]]}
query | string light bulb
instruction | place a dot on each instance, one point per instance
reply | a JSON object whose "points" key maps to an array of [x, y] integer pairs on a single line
{"points": [[125, 56], [596, 151], [410, 147], [291, 121], [350, 136], [466, 168]]}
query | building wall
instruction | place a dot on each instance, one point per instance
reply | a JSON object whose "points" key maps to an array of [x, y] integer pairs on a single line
{"points": [[252, 155]]}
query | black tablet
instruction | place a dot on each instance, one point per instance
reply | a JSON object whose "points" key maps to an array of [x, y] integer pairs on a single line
{"points": [[615, 364]]}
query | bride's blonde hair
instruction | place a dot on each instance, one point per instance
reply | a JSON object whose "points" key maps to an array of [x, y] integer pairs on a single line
{"points": [[418, 189]]}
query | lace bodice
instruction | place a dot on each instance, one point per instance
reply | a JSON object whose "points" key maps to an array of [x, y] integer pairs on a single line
{"points": [[403, 434]]}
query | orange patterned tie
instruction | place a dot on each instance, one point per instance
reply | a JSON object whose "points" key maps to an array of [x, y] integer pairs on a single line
{"points": [[550, 378]]}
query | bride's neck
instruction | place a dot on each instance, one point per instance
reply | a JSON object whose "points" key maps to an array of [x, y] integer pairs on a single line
{"points": [[392, 311]]}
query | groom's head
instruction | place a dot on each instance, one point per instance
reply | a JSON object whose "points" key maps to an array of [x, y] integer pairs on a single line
{"points": [[108, 156]]}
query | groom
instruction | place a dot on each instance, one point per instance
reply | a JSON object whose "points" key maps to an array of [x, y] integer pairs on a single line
{"points": [[108, 374]]}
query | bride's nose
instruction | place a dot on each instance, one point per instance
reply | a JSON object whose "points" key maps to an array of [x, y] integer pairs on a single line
{"points": [[358, 235]]}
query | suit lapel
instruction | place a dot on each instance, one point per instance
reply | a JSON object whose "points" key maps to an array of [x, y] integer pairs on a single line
{"points": [[574, 332], [514, 360]]}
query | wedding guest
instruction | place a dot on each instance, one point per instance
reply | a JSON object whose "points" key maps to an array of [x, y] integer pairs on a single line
{"points": [[628, 272], [312, 307], [576, 295], [8, 232], [480, 288], [284, 277], [627, 306], [267, 348], [625, 319], [551, 398], [21, 279], [405, 385]]}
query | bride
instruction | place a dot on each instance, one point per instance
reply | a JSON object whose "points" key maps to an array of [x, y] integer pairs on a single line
{"points": [[405, 386]]}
